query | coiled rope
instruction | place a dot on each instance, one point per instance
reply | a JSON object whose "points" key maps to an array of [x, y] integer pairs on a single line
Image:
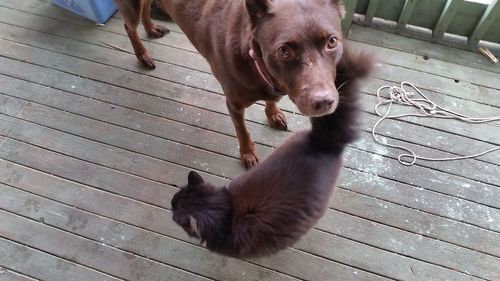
{"points": [[427, 108]]}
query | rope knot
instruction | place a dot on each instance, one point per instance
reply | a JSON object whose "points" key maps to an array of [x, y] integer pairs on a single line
{"points": [[427, 108]]}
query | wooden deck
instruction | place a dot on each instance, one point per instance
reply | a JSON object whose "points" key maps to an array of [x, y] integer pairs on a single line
{"points": [[91, 147]]}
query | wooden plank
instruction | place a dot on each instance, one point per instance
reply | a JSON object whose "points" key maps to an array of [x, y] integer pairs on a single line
{"points": [[40, 136], [423, 177], [470, 167], [95, 37], [93, 130], [424, 140], [160, 248], [94, 254], [130, 141], [115, 25], [350, 7], [436, 187], [350, 255], [406, 244], [480, 94], [171, 52], [52, 169], [440, 69], [10, 275], [421, 48], [465, 187], [116, 154], [407, 269], [457, 214], [32, 133], [415, 221], [322, 238], [185, 113], [103, 178], [485, 23], [133, 211], [82, 63], [169, 114], [449, 12], [405, 15], [426, 13], [443, 231], [135, 240], [371, 11], [42, 265], [463, 74], [474, 132], [447, 206], [467, 17]]}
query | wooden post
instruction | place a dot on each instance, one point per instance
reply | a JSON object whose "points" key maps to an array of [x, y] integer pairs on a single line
{"points": [[449, 12], [370, 12], [484, 24], [350, 7], [405, 16]]}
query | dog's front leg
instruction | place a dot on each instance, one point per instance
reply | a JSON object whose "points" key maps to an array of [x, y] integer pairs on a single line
{"points": [[248, 155], [275, 116]]}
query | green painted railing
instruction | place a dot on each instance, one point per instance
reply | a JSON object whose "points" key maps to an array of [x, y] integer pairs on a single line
{"points": [[472, 20]]}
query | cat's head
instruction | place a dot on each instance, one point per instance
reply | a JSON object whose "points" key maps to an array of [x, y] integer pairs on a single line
{"points": [[201, 209]]}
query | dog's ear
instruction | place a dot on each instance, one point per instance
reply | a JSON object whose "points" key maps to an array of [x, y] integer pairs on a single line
{"points": [[339, 6], [257, 9], [194, 179]]}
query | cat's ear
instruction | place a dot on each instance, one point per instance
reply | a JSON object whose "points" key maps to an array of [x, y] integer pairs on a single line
{"points": [[193, 227], [194, 179]]}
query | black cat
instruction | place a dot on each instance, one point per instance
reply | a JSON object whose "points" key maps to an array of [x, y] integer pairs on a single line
{"points": [[271, 206]]}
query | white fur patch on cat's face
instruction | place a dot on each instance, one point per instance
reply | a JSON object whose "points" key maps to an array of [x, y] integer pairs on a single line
{"points": [[193, 227]]}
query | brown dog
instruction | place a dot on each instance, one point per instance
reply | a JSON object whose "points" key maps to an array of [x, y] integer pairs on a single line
{"points": [[271, 206], [258, 50]]}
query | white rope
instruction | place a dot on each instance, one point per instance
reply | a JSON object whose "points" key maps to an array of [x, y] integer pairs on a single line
{"points": [[426, 108]]}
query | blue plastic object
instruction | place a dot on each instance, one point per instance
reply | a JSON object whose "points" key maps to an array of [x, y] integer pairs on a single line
{"points": [[96, 10]]}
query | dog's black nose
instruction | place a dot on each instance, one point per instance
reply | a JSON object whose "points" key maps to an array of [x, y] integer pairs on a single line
{"points": [[323, 103]]}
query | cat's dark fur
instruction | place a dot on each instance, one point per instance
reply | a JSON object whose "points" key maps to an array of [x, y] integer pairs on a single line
{"points": [[271, 206]]}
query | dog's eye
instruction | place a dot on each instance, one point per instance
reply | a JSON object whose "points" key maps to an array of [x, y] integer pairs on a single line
{"points": [[332, 43], [284, 52]]}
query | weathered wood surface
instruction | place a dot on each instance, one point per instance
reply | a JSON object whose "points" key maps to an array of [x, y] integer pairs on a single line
{"points": [[92, 148]]}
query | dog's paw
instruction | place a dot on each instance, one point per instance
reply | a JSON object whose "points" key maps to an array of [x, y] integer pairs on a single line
{"points": [[277, 120], [147, 61], [157, 31], [249, 160]]}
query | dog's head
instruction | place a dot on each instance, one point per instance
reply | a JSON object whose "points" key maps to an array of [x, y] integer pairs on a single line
{"points": [[301, 44], [201, 209]]}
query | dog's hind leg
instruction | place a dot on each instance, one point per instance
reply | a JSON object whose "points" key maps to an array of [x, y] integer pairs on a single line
{"points": [[248, 155], [153, 30], [275, 116], [131, 11]]}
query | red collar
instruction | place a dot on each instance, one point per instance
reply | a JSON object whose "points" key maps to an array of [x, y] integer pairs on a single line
{"points": [[264, 73]]}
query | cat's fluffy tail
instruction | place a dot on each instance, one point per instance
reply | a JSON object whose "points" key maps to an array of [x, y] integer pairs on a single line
{"points": [[334, 131]]}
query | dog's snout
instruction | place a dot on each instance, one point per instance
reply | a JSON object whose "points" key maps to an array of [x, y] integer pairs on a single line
{"points": [[323, 103]]}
